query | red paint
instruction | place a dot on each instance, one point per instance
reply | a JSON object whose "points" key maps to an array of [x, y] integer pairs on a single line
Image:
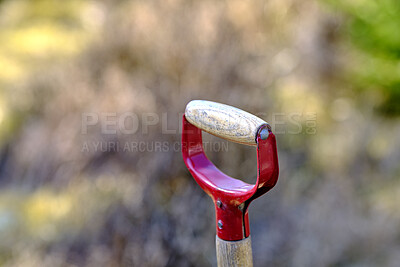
{"points": [[230, 191]]}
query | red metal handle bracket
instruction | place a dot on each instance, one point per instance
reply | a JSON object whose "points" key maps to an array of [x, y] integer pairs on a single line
{"points": [[231, 196]]}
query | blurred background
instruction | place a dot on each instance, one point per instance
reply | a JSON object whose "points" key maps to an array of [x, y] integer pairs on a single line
{"points": [[325, 74]]}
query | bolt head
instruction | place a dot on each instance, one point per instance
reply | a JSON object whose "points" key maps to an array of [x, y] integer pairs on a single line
{"points": [[219, 204], [220, 224], [264, 133], [241, 207]]}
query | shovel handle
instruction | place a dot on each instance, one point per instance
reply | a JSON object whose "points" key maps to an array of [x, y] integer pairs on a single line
{"points": [[224, 121], [234, 253]]}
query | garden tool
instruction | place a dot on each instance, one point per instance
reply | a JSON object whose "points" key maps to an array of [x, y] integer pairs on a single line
{"points": [[231, 196]]}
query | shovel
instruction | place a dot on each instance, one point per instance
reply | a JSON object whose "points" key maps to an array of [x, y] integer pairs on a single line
{"points": [[231, 196]]}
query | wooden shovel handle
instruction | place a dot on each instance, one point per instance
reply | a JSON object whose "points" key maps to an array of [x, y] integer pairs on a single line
{"points": [[224, 121], [234, 253]]}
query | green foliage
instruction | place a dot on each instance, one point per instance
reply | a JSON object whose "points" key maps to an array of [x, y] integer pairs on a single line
{"points": [[373, 30]]}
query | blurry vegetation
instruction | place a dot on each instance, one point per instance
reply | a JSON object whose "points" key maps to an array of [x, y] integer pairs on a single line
{"points": [[325, 66], [34, 35], [372, 27]]}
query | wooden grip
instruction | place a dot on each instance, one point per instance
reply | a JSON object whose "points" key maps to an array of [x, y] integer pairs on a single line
{"points": [[224, 121], [234, 253]]}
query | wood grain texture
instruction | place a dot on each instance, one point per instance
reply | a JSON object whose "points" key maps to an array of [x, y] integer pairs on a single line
{"points": [[234, 253], [224, 121]]}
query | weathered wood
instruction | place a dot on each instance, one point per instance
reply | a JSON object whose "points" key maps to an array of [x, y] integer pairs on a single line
{"points": [[234, 253], [224, 121]]}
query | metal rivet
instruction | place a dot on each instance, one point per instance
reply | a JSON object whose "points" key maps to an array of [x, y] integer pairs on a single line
{"points": [[241, 207], [264, 133], [219, 204], [220, 224]]}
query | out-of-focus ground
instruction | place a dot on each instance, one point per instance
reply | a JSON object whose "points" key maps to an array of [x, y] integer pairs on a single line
{"points": [[325, 74]]}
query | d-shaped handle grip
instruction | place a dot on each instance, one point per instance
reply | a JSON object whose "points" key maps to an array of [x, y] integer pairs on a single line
{"points": [[224, 121]]}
